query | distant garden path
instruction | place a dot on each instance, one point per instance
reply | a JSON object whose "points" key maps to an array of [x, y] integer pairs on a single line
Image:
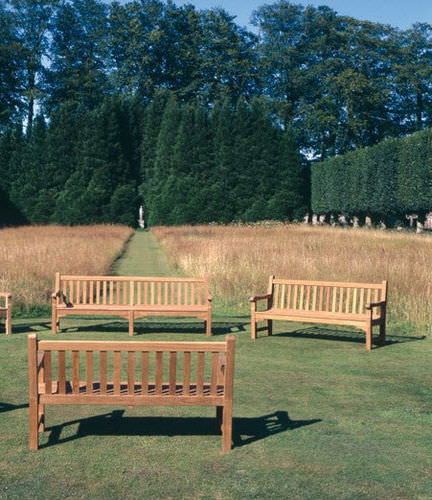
{"points": [[143, 257]]}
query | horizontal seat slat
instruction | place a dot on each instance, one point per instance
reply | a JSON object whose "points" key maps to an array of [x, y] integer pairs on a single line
{"points": [[340, 284], [314, 314]]}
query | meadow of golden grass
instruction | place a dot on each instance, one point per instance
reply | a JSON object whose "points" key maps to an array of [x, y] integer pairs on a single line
{"points": [[239, 260], [30, 256]]}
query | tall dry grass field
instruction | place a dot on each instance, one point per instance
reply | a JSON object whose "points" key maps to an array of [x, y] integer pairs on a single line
{"points": [[239, 260], [30, 256]]}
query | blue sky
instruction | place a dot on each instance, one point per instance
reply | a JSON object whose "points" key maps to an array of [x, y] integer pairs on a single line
{"points": [[400, 13]]}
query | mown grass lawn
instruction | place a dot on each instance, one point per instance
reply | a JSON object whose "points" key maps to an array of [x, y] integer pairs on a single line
{"points": [[315, 416]]}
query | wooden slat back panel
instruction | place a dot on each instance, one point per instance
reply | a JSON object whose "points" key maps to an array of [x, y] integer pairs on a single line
{"points": [[108, 370], [113, 290], [336, 297]]}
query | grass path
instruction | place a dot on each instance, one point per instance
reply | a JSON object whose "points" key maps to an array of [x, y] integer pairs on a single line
{"points": [[143, 257]]}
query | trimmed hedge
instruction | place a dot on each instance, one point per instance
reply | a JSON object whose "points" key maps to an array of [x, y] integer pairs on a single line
{"points": [[394, 177]]}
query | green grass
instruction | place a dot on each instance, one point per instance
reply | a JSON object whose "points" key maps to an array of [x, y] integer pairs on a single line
{"points": [[315, 416]]}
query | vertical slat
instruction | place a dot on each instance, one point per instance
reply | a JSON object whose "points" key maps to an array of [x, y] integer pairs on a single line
{"points": [[77, 290], [348, 300], [48, 372], [89, 372], [341, 297], [71, 291], [139, 286], [98, 291], [354, 304], [103, 372], [131, 292], [117, 372], [152, 293], [64, 289], [295, 296], [328, 298], [172, 294], [159, 293], [361, 305], [111, 292], [62, 372], [172, 373], [200, 373], [166, 293], [104, 292], [144, 373], [282, 300], [192, 294], [75, 372], [308, 291], [159, 372], [91, 292], [146, 293], [117, 301], [186, 372], [213, 376], [179, 299], [85, 286], [368, 299], [125, 292], [321, 298], [302, 287], [131, 372], [276, 302]]}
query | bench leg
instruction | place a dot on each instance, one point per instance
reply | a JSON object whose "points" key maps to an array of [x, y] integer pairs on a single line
{"points": [[368, 331], [227, 428], [54, 322], [219, 418], [253, 323], [269, 327], [131, 323], [208, 326], [33, 421], [8, 321]]}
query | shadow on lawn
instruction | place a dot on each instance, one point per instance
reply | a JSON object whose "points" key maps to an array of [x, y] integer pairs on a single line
{"points": [[4, 407], [245, 430], [140, 328], [318, 332]]}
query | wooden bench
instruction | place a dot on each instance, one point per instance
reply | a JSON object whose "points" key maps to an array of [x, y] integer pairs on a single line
{"points": [[130, 298], [356, 304], [6, 310], [101, 383]]}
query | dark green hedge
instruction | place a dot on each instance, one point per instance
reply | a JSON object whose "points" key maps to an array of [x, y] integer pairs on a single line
{"points": [[393, 177]]}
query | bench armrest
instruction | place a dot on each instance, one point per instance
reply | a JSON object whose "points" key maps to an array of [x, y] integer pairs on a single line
{"points": [[260, 297], [6, 295], [375, 304]]}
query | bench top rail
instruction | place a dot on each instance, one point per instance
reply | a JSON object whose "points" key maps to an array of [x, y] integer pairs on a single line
{"points": [[157, 292], [326, 296], [198, 372]]}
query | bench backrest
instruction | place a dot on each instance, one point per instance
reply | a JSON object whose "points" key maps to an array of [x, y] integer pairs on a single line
{"points": [[117, 368], [127, 290], [325, 296]]}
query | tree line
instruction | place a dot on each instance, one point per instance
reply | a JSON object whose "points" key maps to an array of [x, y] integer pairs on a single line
{"points": [[322, 83], [392, 178]]}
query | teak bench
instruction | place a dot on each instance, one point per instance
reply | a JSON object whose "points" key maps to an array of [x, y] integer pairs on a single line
{"points": [[130, 298], [356, 304], [6, 310], [101, 383]]}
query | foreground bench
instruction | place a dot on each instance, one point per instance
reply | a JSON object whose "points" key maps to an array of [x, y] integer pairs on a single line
{"points": [[147, 384], [130, 298], [6, 310], [356, 304]]}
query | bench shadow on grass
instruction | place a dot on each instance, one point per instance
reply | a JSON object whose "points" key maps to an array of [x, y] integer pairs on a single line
{"points": [[318, 332], [4, 407], [245, 430]]}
